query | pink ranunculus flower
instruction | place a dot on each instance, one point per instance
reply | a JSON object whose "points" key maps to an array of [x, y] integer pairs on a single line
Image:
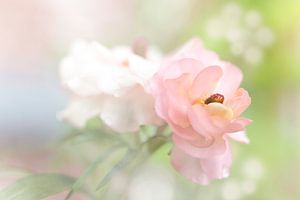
{"points": [[198, 95], [111, 84]]}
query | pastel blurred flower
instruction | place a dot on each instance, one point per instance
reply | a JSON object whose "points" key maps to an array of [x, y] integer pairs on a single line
{"points": [[231, 190], [151, 182], [111, 84], [198, 95], [243, 30]]}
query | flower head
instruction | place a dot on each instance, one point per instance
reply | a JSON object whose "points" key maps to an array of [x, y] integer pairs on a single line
{"points": [[198, 95], [110, 84]]}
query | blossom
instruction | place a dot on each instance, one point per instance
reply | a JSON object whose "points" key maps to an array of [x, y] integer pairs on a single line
{"points": [[110, 84], [198, 95]]}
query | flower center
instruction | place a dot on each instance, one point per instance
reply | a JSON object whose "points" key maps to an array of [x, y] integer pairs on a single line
{"points": [[215, 98]]}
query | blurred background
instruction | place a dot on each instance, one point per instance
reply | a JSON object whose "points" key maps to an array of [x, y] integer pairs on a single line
{"points": [[261, 37]]}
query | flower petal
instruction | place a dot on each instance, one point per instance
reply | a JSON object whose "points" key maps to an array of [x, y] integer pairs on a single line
{"points": [[205, 82], [187, 133], [230, 81], [80, 110], [92, 69], [127, 112], [239, 102], [176, 68], [211, 146], [194, 49], [142, 68], [199, 170], [219, 110], [201, 121], [188, 166], [176, 92], [240, 137], [217, 167], [238, 124]]}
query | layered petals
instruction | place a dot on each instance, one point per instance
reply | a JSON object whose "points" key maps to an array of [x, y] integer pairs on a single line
{"points": [[205, 81], [111, 84], [198, 95], [202, 147], [239, 102], [122, 115], [199, 170], [230, 81]]}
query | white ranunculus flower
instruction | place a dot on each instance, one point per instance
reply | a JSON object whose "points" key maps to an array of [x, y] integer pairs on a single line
{"points": [[111, 84]]}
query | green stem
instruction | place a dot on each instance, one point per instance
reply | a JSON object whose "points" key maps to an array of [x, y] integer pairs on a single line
{"points": [[129, 156], [80, 181]]}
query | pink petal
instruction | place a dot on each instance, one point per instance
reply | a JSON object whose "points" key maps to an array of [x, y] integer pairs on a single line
{"points": [[178, 87], [157, 90], [221, 124], [217, 167], [238, 125], [176, 68], [161, 107], [192, 137], [230, 81], [205, 82], [188, 166], [186, 133], [194, 49], [201, 121], [201, 171], [239, 102], [177, 115], [176, 90], [211, 146]]}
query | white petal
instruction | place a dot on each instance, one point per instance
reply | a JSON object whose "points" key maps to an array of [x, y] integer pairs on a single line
{"points": [[80, 110], [110, 84], [240, 136], [80, 68], [115, 80], [126, 113], [142, 68], [91, 69]]}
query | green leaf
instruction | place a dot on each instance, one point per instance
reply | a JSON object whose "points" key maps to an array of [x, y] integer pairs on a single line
{"points": [[80, 181], [129, 156], [37, 187]]}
